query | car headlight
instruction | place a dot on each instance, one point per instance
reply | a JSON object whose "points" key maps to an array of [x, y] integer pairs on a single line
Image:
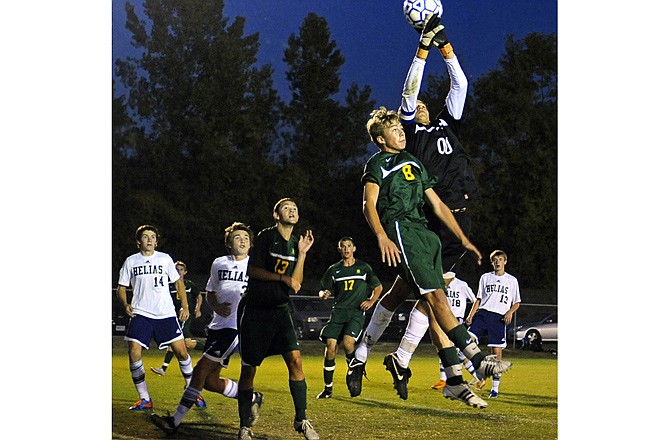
{"points": [[312, 319]]}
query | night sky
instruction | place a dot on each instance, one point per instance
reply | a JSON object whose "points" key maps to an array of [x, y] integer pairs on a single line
{"points": [[376, 42]]}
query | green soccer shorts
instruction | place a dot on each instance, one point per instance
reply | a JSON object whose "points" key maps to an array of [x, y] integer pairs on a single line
{"points": [[343, 322], [421, 253]]}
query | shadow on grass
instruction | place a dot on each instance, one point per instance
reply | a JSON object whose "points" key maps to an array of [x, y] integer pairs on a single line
{"points": [[459, 410]]}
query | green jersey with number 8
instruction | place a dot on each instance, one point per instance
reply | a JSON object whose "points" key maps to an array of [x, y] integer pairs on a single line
{"points": [[402, 180]]}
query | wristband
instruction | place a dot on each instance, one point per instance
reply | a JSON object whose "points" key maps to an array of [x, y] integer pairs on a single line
{"points": [[422, 53], [447, 51]]}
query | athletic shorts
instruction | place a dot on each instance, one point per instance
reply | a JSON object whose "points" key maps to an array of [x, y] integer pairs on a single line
{"points": [[164, 331], [492, 324], [265, 332], [220, 345], [343, 322], [421, 262]]}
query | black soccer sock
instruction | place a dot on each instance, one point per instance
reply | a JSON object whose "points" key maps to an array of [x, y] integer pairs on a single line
{"points": [[244, 398], [299, 393], [166, 361]]}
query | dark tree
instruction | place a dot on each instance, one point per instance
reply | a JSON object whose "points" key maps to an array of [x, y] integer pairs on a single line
{"points": [[326, 141], [510, 128], [208, 118]]}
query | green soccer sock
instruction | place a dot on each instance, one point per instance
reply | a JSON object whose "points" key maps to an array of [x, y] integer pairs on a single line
{"points": [[460, 336], [299, 394]]}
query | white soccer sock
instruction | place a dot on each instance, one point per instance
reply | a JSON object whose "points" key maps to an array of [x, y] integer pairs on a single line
{"points": [[443, 375], [186, 369], [378, 323], [416, 329], [231, 389], [187, 400], [138, 375], [495, 383]]}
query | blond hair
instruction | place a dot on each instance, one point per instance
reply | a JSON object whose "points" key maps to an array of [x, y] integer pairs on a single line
{"points": [[381, 119]]}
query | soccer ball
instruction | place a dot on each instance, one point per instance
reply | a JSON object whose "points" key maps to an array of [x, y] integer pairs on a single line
{"points": [[416, 11]]}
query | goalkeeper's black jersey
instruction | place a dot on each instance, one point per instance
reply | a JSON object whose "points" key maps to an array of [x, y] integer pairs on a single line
{"points": [[438, 148]]}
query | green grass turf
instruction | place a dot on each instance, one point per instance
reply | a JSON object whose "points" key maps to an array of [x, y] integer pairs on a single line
{"points": [[526, 409]]}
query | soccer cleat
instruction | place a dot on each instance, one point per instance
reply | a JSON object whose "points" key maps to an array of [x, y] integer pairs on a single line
{"points": [[245, 434], [439, 385], [256, 403], [165, 423], [200, 403], [462, 393], [305, 428], [158, 371], [142, 404], [355, 375], [493, 395], [327, 393], [492, 365], [400, 375]]}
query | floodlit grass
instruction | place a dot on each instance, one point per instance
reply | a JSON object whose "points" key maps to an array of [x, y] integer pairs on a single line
{"points": [[526, 409]]}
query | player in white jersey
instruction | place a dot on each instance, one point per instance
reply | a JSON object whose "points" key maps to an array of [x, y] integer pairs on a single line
{"points": [[152, 311], [227, 283], [498, 297]]}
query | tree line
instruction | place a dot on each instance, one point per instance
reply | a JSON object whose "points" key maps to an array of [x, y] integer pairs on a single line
{"points": [[201, 138]]}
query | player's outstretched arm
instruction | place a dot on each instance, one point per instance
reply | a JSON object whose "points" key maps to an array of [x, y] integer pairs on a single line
{"points": [[443, 212], [458, 90]]}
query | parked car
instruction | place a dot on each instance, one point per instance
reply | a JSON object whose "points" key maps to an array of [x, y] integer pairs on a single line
{"points": [[119, 318], [310, 314], [537, 331]]}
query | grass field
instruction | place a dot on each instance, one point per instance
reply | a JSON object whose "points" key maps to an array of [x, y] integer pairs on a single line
{"points": [[526, 409]]}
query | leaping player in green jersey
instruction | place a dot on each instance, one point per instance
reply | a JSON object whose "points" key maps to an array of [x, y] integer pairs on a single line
{"points": [[396, 184]]}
